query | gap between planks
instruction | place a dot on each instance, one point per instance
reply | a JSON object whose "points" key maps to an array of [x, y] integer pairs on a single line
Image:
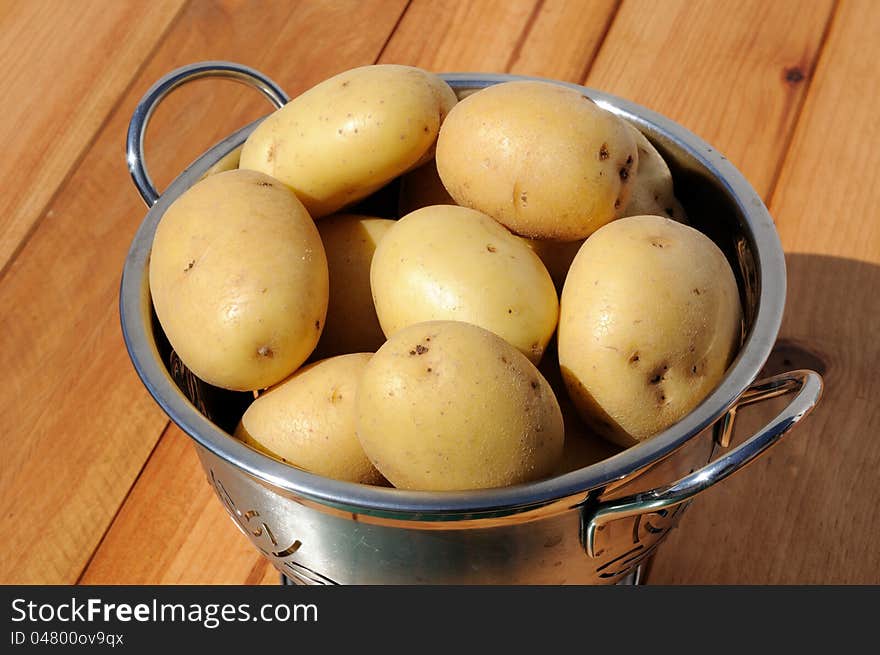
{"points": [[87, 145]]}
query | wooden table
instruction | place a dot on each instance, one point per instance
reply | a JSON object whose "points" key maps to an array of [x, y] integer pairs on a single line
{"points": [[97, 487]]}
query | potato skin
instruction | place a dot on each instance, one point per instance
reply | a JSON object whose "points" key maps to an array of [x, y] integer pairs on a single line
{"points": [[351, 325], [422, 187], [452, 263], [540, 158], [582, 446], [238, 279], [228, 162], [445, 405], [556, 256], [650, 319], [308, 420], [348, 136], [652, 190]]}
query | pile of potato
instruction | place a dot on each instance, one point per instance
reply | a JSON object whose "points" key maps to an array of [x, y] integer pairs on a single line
{"points": [[531, 285]]}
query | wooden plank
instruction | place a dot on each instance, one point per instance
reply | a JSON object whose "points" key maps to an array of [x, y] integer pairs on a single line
{"points": [[78, 423], [551, 38], [60, 49], [563, 39], [807, 513], [449, 35], [189, 555], [734, 73], [172, 499]]}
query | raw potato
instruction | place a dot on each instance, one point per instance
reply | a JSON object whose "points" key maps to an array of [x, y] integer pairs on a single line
{"points": [[238, 279], [541, 158], [421, 187], [650, 319], [351, 326], [452, 263], [351, 134], [582, 446], [652, 191], [228, 162], [556, 256], [446, 405], [309, 421]]}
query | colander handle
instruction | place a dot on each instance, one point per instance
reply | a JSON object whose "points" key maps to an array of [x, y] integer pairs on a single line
{"points": [[808, 385], [137, 127]]}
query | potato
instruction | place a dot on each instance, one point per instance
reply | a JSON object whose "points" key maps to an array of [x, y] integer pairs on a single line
{"points": [[650, 319], [652, 190], [351, 134], [238, 278], [351, 326], [228, 162], [582, 446], [556, 256], [451, 263], [421, 187], [308, 420], [541, 158], [446, 405]]}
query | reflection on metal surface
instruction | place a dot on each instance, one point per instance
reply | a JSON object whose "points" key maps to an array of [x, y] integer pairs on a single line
{"points": [[189, 384], [648, 532], [243, 520], [302, 575], [809, 389]]}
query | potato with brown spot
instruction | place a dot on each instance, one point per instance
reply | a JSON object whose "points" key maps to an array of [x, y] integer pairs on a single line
{"points": [[637, 348], [308, 421], [652, 191], [446, 405], [238, 277], [350, 240], [537, 158]]}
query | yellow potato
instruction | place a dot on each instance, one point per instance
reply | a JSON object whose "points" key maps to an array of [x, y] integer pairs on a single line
{"points": [[542, 159], [652, 190], [238, 279], [351, 134], [650, 319], [308, 420], [228, 162], [351, 326], [446, 405], [451, 263], [582, 446], [421, 187], [556, 256]]}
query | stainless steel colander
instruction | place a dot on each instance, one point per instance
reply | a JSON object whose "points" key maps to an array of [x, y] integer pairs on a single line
{"points": [[589, 526]]}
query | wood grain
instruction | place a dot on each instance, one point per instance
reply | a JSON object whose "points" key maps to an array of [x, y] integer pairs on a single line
{"points": [[449, 35], [79, 423], [159, 484], [726, 71], [807, 513], [553, 38], [61, 49], [563, 39], [170, 527]]}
